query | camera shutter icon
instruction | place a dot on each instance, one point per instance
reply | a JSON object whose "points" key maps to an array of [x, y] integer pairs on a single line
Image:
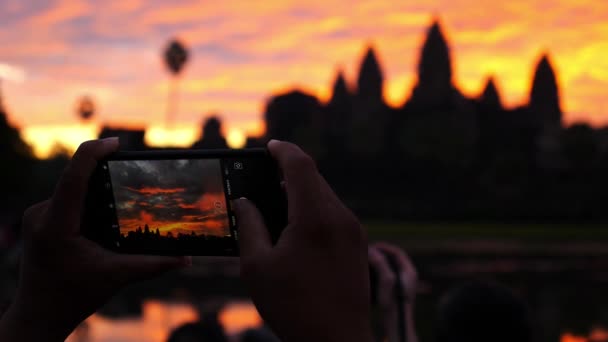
{"points": [[238, 165]]}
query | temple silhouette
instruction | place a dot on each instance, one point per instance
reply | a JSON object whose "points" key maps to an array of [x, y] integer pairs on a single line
{"points": [[440, 155], [443, 155]]}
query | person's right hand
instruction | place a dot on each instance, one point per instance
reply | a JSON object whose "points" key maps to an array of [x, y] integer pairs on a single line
{"points": [[313, 285]]}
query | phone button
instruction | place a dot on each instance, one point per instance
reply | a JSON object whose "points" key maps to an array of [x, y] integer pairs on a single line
{"points": [[228, 187], [234, 187]]}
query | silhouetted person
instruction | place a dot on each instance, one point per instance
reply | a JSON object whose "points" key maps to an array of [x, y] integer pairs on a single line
{"points": [[482, 311], [212, 135]]}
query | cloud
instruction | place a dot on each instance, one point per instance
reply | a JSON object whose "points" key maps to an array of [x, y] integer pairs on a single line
{"points": [[243, 51], [155, 191], [170, 194]]}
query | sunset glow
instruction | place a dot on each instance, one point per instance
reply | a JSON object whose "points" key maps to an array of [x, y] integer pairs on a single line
{"points": [[242, 52], [171, 196], [159, 319]]}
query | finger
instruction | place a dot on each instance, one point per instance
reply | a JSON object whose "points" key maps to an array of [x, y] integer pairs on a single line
{"points": [[254, 239], [68, 200], [300, 175], [403, 261], [32, 216], [132, 268], [386, 277], [330, 196]]}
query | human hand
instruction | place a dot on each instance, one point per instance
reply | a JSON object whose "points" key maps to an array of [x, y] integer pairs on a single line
{"points": [[65, 277], [313, 285], [389, 303]]}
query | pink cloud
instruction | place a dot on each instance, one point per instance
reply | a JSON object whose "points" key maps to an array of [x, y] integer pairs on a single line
{"points": [[243, 51]]}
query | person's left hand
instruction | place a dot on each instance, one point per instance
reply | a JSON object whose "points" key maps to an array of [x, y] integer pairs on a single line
{"points": [[65, 277], [388, 301]]}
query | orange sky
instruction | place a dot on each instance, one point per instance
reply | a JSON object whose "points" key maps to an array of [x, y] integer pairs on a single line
{"points": [[210, 220], [52, 52]]}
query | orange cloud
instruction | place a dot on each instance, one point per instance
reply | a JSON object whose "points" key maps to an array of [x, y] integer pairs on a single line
{"points": [[146, 217], [156, 191], [243, 51], [212, 202]]}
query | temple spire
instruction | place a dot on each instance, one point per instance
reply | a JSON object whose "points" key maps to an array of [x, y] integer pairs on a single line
{"points": [[369, 83], [490, 98], [340, 92], [434, 86], [434, 66], [544, 93]]}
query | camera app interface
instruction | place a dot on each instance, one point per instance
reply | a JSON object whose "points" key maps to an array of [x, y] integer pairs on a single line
{"points": [[169, 201]]}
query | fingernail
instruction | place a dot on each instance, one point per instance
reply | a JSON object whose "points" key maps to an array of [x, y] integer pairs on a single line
{"points": [[236, 204], [273, 141], [110, 140]]}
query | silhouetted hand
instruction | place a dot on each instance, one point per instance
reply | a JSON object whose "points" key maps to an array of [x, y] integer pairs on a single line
{"points": [[387, 299], [65, 277], [313, 285]]}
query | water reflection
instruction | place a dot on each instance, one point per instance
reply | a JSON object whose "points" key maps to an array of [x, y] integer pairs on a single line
{"points": [[157, 321], [596, 334]]}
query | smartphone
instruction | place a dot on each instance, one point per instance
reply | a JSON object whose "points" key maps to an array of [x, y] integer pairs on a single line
{"points": [[180, 202]]}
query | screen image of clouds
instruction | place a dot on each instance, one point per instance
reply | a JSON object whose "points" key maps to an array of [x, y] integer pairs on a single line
{"points": [[169, 197]]}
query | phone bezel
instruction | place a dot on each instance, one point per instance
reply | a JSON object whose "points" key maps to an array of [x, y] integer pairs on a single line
{"points": [[220, 155]]}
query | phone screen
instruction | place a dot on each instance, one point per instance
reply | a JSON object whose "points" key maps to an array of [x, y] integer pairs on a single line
{"points": [[166, 202], [180, 205]]}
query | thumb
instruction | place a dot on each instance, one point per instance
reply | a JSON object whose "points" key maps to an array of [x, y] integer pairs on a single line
{"points": [[254, 239]]}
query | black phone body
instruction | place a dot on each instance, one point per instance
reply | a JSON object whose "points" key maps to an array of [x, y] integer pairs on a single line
{"points": [[178, 202]]}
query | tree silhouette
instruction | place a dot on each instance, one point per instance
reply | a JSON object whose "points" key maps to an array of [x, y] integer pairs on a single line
{"points": [[146, 229], [175, 56], [86, 107]]}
